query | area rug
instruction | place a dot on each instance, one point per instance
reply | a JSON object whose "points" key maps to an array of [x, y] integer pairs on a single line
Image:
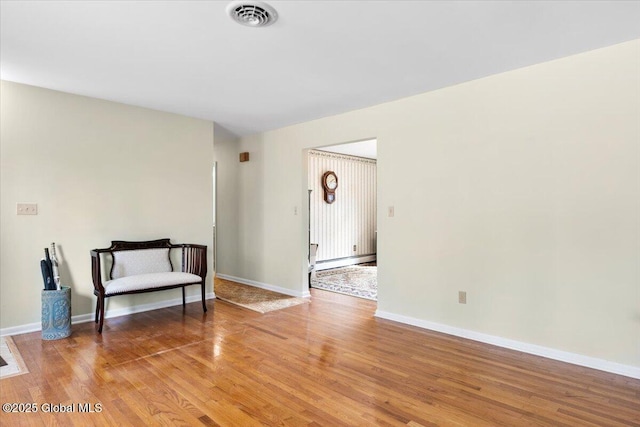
{"points": [[355, 280], [256, 299], [10, 354]]}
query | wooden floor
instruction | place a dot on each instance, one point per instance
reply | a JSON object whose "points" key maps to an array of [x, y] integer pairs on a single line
{"points": [[328, 363]]}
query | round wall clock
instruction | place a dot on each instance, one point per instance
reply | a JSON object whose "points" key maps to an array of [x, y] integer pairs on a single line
{"points": [[329, 183]]}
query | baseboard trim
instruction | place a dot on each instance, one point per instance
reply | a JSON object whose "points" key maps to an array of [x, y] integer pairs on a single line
{"points": [[344, 262], [83, 318], [274, 288], [550, 353]]}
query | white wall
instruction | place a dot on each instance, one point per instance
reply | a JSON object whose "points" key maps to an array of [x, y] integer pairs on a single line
{"points": [[351, 219], [522, 189], [98, 171]]}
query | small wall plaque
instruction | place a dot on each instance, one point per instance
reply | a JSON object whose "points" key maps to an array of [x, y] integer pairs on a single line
{"points": [[244, 157]]}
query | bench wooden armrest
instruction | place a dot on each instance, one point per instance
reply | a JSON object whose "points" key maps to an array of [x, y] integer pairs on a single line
{"points": [[194, 259]]}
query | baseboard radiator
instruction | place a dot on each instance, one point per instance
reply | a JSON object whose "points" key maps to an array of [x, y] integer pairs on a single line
{"points": [[343, 262]]}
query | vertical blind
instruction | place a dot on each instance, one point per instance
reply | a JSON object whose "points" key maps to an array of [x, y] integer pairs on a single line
{"points": [[351, 219]]}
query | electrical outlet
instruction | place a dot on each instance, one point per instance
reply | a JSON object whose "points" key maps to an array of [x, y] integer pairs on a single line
{"points": [[391, 211], [462, 297], [354, 248], [27, 209], [295, 210]]}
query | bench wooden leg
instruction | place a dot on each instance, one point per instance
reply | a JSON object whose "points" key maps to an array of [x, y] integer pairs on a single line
{"points": [[204, 306], [101, 302], [183, 299], [97, 308]]}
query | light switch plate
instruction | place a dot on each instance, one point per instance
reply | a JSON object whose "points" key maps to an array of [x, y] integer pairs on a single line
{"points": [[27, 209]]}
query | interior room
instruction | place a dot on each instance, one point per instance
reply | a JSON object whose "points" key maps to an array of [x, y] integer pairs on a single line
{"points": [[157, 226], [342, 223]]}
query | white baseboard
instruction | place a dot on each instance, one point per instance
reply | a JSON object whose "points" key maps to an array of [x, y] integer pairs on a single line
{"points": [[343, 262], [274, 288], [82, 318], [550, 353]]}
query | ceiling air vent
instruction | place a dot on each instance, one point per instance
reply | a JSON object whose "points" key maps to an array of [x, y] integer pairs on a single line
{"points": [[252, 13]]}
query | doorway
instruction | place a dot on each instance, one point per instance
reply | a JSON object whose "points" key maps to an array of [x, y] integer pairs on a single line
{"points": [[342, 218]]}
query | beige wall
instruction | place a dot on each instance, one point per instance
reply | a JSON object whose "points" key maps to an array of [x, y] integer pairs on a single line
{"points": [[98, 171], [522, 189]]}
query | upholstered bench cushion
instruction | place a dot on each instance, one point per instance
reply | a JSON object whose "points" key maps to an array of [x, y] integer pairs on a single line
{"points": [[140, 261], [149, 281]]}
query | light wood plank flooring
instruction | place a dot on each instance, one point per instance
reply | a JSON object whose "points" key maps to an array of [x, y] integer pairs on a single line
{"points": [[328, 363]]}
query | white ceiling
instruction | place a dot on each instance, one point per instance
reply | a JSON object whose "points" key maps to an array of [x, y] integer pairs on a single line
{"points": [[320, 58]]}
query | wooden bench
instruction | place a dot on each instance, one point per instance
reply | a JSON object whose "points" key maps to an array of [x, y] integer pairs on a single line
{"points": [[138, 267]]}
